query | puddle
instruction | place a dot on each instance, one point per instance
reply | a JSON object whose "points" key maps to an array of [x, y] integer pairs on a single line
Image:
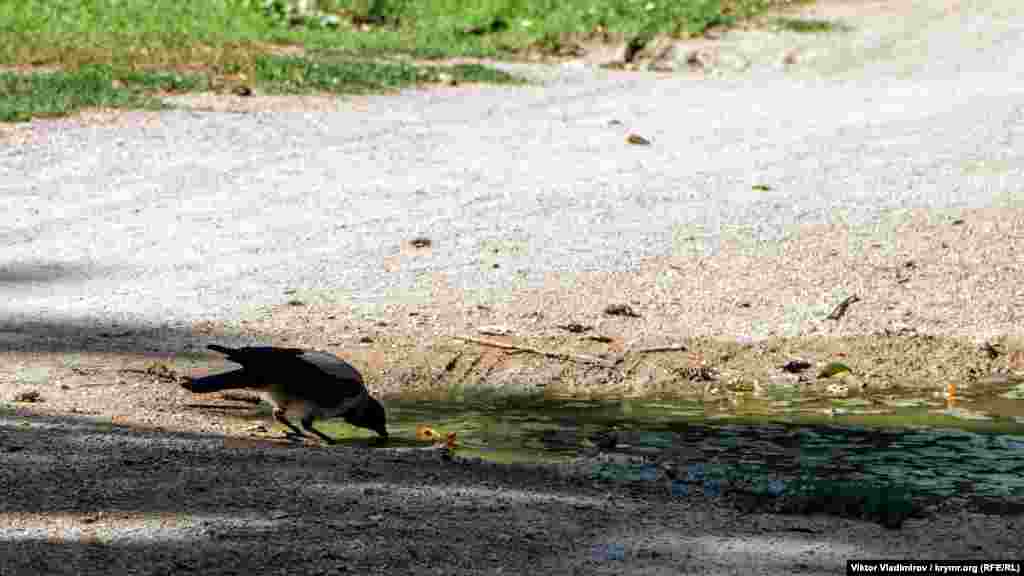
{"points": [[928, 449]]}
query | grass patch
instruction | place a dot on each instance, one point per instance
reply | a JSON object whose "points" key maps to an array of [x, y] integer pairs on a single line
{"points": [[292, 75], [226, 33], [808, 26], [117, 53], [23, 96], [129, 33], [437, 28]]}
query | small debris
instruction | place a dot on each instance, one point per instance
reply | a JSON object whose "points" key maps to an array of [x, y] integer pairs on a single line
{"points": [[796, 366], [638, 140], [241, 397], [700, 373], [452, 363], [600, 338], [162, 372], [614, 122], [29, 396], [840, 310], [632, 48], [833, 368], [745, 304], [620, 310], [243, 91], [655, 349], [85, 371], [421, 242], [957, 222], [495, 330], [575, 327], [366, 340], [761, 187], [992, 350], [296, 303]]}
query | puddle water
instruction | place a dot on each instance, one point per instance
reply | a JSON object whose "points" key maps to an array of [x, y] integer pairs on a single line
{"points": [[933, 449]]}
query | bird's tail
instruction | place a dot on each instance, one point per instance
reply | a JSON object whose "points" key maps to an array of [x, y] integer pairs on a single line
{"points": [[217, 382], [222, 349]]}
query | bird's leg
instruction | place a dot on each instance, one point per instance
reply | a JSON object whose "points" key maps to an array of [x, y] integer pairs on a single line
{"points": [[279, 415], [307, 423]]}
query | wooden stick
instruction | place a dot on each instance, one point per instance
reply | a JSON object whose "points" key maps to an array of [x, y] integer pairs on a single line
{"points": [[840, 310], [679, 348], [548, 353]]}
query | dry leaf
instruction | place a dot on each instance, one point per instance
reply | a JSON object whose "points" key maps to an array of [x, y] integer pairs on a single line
{"points": [[424, 432]]}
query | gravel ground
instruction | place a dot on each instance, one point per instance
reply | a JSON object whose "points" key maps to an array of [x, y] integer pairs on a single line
{"points": [[146, 502], [188, 215], [136, 234]]}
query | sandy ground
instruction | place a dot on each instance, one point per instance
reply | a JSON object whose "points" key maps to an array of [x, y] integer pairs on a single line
{"points": [[787, 174]]}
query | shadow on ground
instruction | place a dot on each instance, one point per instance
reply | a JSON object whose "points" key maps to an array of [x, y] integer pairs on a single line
{"points": [[87, 497], [73, 335]]}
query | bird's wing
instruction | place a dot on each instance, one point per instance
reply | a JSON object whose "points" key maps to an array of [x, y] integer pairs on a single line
{"points": [[329, 382], [333, 366], [317, 377]]}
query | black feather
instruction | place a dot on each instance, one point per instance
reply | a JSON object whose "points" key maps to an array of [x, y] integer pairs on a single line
{"points": [[293, 375]]}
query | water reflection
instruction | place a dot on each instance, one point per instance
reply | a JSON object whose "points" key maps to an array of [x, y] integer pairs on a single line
{"points": [[929, 451]]}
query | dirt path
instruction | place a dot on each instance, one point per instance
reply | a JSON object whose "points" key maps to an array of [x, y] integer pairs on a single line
{"points": [[786, 174]]}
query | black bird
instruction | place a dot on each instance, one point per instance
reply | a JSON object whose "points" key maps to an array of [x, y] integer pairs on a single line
{"points": [[305, 382]]}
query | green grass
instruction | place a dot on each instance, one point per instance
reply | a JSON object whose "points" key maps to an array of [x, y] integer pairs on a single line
{"points": [[299, 75], [808, 26], [23, 96], [438, 28], [119, 53], [228, 32]]}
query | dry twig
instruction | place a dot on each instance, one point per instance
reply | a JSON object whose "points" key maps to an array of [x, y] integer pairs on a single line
{"points": [[653, 349], [548, 353], [840, 310]]}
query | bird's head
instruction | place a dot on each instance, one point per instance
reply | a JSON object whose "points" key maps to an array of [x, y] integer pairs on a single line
{"points": [[372, 416]]}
